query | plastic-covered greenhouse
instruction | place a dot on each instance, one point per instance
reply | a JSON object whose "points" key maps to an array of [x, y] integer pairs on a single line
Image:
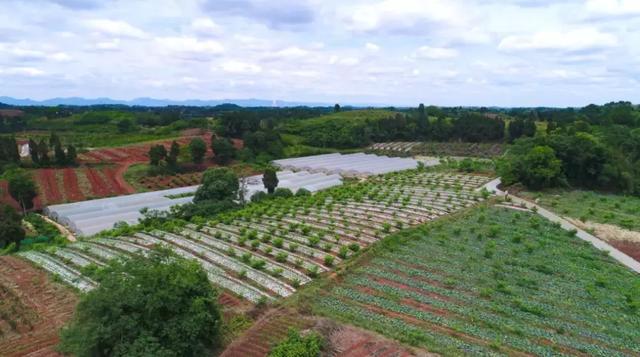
{"points": [[90, 217], [359, 164]]}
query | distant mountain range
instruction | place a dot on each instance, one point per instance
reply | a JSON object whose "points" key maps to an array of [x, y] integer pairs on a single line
{"points": [[151, 102]]}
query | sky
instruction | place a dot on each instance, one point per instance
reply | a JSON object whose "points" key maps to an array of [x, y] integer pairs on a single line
{"points": [[391, 52]]}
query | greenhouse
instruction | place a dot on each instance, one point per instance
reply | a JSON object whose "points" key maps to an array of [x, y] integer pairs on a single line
{"points": [[90, 217], [350, 165]]}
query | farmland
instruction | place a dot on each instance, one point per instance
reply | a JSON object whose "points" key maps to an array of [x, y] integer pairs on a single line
{"points": [[32, 309], [490, 281], [269, 249], [456, 149]]}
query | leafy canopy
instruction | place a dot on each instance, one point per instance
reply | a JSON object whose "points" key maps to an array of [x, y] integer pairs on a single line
{"points": [[218, 184], [162, 305]]}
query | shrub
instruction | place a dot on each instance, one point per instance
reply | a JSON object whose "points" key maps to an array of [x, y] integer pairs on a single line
{"points": [[354, 247], [344, 250], [303, 192], [283, 192], [328, 260], [296, 345]]}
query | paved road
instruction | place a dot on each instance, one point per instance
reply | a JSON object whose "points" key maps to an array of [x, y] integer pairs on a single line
{"points": [[595, 241]]}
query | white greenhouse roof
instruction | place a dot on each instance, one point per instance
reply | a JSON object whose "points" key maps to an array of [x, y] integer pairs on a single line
{"points": [[359, 164], [90, 217]]}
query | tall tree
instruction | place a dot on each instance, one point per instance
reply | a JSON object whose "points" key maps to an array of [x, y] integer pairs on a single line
{"points": [[172, 158], [54, 140], [157, 153], [223, 150], [198, 150], [11, 230], [423, 122], [22, 189], [218, 184], [34, 152], [43, 153], [72, 155], [60, 156], [270, 179], [336, 108]]}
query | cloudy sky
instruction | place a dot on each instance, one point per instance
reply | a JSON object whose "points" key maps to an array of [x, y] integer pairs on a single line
{"points": [[443, 52]]}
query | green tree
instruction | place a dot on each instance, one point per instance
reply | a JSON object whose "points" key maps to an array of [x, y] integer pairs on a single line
{"points": [[72, 155], [223, 150], [54, 140], [161, 305], [539, 168], [336, 108], [157, 153], [11, 230], [198, 150], [22, 189], [218, 184], [270, 179], [423, 122], [172, 158], [34, 152], [43, 153], [125, 125], [59, 155]]}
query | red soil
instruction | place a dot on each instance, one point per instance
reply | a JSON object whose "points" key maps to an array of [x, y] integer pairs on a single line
{"points": [[49, 184], [71, 185], [266, 332], [98, 187], [629, 248], [5, 197], [44, 307]]}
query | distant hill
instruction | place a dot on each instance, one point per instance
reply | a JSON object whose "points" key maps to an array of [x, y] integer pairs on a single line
{"points": [[152, 102]]}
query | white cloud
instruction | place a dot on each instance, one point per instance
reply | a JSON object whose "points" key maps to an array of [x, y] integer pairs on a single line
{"points": [[60, 57], [613, 7], [292, 52], [344, 61], [435, 53], [115, 28], [190, 48], [372, 47], [404, 15], [112, 45], [205, 27], [240, 67], [573, 40], [22, 71]]}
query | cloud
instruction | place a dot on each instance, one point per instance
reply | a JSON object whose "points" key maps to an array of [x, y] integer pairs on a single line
{"points": [[205, 27], [613, 8], [239, 67], [278, 15], [80, 4], [115, 28], [435, 53], [584, 39], [22, 71], [372, 47], [190, 48], [112, 45], [23, 53], [404, 16]]}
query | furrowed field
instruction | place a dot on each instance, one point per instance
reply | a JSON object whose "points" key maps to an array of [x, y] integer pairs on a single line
{"points": [[491, 281]]}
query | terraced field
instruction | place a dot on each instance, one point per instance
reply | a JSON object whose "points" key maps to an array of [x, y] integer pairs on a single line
{"points": [[269, 249], [494, 281]]}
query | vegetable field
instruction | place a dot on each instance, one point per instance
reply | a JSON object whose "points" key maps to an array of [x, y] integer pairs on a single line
{"points": [[269, 249], [493, 281]]}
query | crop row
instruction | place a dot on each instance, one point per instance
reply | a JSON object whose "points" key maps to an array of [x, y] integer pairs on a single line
{"points": [[532, 288], [269, 249]]}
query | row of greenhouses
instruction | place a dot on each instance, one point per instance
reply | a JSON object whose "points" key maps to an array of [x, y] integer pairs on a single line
{"points": [[350, 165]]}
